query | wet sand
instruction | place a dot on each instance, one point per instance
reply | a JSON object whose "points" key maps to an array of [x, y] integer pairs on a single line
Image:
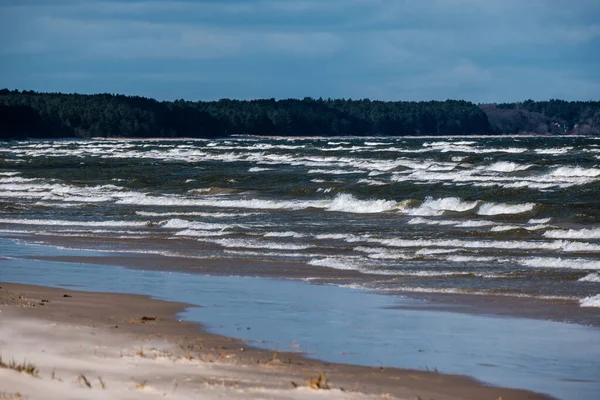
{"points": [[138, 348]]}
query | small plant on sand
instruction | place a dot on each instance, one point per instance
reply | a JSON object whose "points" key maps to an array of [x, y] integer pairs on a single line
{"points": [[11, 396], [141, 385], [140, 352], [84, 381], [319, 383], [25, 367]]}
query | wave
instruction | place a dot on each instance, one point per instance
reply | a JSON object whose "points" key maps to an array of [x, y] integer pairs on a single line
{"points": [[425, 221], [573, 234], [562, 245], [285, 234], [503, 208], [590, 301], [567, 172], [534, 221], [341, 203], [372, 182], [259, 169], [593, 277], [194, 214], [347, 264], [506, 166], [200, 233], [464, 291], [475, 224], [504, 228], [334, 171], [560, 263], [177, 223], [556, 151], [54, 222], [348, 203], [436, 207], [255, 244]]}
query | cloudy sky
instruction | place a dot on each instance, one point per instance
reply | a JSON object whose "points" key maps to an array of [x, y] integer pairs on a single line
{"points": [[479, 50]]}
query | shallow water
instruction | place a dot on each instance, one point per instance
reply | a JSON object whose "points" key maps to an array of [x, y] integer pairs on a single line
{"points": [[513, 216], [344, 325]]}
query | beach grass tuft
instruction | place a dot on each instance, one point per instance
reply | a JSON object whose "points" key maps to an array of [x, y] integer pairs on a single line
{"points": [[141, 385], [11, 396], [84, 381], [25, 367], [319, 383]]}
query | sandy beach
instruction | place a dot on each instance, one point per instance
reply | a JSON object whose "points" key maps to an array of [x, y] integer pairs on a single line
{"points": [[98, 345]]}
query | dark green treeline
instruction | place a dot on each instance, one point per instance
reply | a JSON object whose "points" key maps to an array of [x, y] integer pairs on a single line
{"points": [[51, 115]]}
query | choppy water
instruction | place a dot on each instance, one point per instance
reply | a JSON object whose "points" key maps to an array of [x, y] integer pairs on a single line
{"points": [[506, 216]]}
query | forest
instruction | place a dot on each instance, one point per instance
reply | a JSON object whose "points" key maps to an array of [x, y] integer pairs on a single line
{"points": [[29, 114]]}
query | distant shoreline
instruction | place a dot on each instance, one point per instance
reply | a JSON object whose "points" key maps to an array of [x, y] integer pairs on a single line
{"points": [[25, 114]]}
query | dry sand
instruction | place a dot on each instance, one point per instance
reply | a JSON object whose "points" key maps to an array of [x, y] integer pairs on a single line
{"points": [[100, 346]]}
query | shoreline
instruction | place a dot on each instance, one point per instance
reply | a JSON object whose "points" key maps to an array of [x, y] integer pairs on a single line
{"points": [[558, 310], [189, 344]]}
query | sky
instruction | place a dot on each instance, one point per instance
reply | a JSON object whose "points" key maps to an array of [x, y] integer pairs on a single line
{"points": [[478, 50]]}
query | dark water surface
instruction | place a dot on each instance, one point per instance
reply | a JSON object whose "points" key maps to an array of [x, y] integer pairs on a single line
{"points": [[344, 325], [515, 216]]}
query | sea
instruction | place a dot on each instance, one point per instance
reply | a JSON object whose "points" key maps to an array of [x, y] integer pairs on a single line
{"points": [[476, 225]]}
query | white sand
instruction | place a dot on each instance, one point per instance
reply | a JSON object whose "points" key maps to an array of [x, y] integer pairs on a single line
{"points": [[63, 352]]}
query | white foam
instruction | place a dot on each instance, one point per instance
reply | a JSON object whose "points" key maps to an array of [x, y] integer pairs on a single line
{"points": [[555, 151], [348, 203], [285, 234], [475, 224], [563, 245], [505, 166], [54, 222], [566, 172], [194, 214], [593, 277], [200, 233], [417, 289], [427, 251], [259, 169], [177, 223], [425, 221], [341, 203], [372, 182], [560, 263], [539, 221], [348, 263], [503, 208], [468, 259], [503, 228], [573, 234], [255, 244], [590, 301], [334, 171], [436, 207]]}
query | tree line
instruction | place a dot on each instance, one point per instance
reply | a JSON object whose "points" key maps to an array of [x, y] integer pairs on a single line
{"points": [[29, 114]]}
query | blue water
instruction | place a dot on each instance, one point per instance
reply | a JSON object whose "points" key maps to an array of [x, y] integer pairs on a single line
{"points": [[345, 325]]}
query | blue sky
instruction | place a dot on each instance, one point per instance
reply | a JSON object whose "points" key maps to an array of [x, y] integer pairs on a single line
{"points": [[479, 50]]}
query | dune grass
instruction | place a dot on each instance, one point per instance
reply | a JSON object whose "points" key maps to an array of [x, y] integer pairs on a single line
{"points": [[25, 367]]}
